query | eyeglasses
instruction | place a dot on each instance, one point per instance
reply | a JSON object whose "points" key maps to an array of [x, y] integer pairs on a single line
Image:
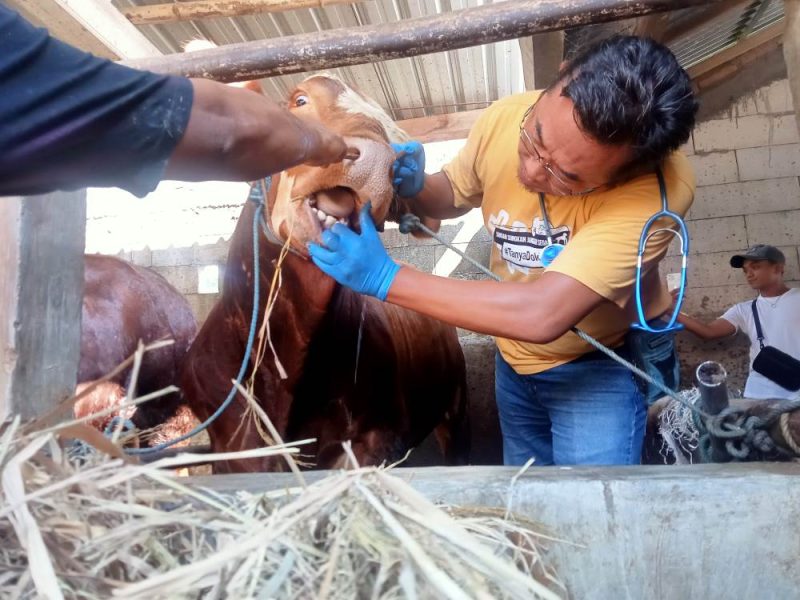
{"points": [[559, 184]]}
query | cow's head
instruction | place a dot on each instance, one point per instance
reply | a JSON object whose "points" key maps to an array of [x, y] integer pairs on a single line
{"points": [[305, 200]]}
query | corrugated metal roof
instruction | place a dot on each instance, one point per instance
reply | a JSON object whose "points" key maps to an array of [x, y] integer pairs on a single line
{"points": [[411, 87], [726, 30], [452, 81]]}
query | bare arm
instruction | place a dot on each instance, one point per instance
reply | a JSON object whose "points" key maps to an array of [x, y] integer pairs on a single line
{"points": [[533, 312], [708, 331], [436, 198], [236, 135]]}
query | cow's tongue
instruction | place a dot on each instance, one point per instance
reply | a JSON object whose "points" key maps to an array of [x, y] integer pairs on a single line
{"points": [[338, 202]]}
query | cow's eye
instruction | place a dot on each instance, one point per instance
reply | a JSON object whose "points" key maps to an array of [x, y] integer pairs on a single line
{"points": [[301, 100]]}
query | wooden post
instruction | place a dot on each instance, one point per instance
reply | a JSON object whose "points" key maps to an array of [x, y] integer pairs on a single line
{"points": [[41, 292], [791, 51], [412, 37], [541, 59]]}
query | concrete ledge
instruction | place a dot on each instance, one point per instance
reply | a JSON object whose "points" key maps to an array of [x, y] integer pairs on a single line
{"points": [[703, 531]]}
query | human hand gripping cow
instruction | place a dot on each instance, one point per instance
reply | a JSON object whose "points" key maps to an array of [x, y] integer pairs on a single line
{"points": [[70, 120], [360, 261]]}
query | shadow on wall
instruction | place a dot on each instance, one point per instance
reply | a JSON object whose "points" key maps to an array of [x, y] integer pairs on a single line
{"points": [[487, 444]]}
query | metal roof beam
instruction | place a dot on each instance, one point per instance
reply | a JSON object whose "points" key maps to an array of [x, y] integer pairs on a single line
{"points": [[412, 37]]}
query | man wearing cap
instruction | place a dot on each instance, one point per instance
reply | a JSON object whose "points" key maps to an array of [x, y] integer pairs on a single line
{"points": [[778, 308]]}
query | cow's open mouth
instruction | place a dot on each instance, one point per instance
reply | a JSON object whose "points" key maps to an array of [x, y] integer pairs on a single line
{"points": [[334, 205]]}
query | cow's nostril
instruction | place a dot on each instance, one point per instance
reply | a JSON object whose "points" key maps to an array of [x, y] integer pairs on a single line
{"points": [[353, 154]]}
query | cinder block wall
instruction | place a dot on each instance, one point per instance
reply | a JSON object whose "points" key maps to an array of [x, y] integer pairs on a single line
{"points": [[747, 162], [180, 266]]}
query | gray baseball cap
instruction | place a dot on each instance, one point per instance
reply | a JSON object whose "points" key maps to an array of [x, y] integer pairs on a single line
{"points": [[758, 252]]}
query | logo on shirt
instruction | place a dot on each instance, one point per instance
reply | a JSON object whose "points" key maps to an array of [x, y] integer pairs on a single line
{"points": [[521, 246]]}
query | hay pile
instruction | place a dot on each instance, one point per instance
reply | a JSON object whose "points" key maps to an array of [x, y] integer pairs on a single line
{"points": [[104, 527]]}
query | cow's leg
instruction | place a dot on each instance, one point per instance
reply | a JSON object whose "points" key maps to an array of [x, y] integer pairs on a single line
{"points": [[181, 422], [105, 395], [453, 432], [371, 448]]}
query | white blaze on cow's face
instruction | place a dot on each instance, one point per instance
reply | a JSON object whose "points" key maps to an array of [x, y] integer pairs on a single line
{"points": [[307, 200]]}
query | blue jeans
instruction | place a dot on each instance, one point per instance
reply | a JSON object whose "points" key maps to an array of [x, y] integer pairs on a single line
{"points": [[655, 354], [587, 412]]}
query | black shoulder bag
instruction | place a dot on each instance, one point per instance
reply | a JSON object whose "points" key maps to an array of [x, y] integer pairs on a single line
{"points": [[774, 364]]}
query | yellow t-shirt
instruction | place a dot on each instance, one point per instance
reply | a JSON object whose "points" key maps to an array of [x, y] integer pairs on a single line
{"points": [[601, 231]]}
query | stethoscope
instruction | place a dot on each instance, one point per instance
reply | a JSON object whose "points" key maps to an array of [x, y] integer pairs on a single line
{"points": [[552, 250]]}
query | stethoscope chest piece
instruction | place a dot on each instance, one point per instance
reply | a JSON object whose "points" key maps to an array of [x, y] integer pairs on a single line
{"points": [[549, 253]]}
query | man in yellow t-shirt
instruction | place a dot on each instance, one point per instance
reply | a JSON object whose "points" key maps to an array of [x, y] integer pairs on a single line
{"points": [[577, 164]]}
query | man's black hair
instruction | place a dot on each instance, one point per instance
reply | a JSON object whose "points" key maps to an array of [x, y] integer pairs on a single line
{"points": [[631, 91]]}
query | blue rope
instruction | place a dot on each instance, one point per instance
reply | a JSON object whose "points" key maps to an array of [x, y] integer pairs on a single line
{"points": [[127, 425], [250, 340]]}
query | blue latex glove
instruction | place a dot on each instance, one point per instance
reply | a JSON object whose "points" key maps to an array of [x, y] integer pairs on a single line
{"points": [[359, 262], [408, 174]]}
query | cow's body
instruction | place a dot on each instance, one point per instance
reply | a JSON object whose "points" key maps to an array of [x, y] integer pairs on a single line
{"points": [[404, 379], [123, 304]]}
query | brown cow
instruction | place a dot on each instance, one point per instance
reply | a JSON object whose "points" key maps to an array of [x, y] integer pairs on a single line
{"points": [[404, 379], [122, 304]]}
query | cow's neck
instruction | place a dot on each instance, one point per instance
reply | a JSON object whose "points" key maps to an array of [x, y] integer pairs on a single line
{"points": [[301, 304]]}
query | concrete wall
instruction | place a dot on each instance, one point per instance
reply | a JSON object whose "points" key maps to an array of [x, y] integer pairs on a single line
{"points": [[670, 533], [747, 162]]}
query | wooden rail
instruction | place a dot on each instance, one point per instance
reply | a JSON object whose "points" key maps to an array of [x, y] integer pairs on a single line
{"points": [[357, 45]]}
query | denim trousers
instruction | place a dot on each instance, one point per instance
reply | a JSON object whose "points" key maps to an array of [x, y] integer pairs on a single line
{"points": [[655, 354], [590, 411]]}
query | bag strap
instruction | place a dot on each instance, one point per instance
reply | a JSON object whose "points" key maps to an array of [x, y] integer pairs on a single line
{"points": [[759, 332]]}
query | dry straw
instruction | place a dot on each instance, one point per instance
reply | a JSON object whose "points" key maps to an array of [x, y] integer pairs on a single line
{"points": [[109, 528], [97, 524]]}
